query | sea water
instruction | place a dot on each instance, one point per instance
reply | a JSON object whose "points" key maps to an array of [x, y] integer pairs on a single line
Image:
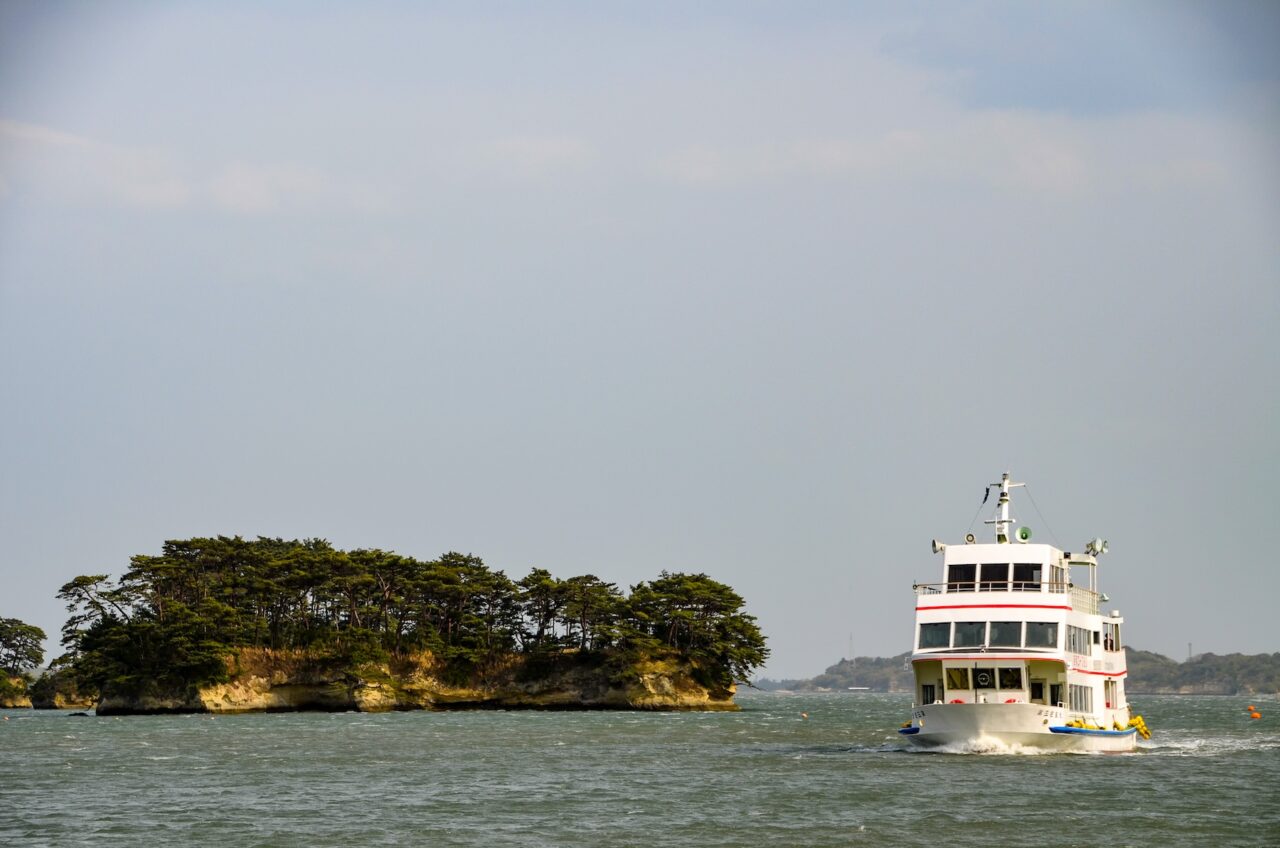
{"points": [[788, 770]]}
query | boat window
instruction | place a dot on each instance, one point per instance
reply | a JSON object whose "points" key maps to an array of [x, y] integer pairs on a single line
{"points": [[1010, 678], [995, 577], [960, 577], [984, 678], [1111, 636], [957, 678], [1026, 576], [1079, 699], [935, 635], [1077, 640], [1042, 634], [969, 634], [1006, 634]]}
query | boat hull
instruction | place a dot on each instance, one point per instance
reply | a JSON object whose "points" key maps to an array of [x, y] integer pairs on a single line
{"points": [[997, 727]]}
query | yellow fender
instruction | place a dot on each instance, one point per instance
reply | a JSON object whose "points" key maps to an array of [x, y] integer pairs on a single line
{"points": [[1141, 724]]}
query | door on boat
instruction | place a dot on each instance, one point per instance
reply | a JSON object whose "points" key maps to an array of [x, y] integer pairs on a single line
{"points": [[1037, 691], [1055, 694]]}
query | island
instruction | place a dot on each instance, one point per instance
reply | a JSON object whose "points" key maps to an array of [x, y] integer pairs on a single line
{"points": [[20, 651], [227, 624]]}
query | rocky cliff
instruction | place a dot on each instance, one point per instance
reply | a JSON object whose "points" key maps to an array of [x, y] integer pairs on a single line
{"points": [[58, 690], [13, 692], [277, 681]]}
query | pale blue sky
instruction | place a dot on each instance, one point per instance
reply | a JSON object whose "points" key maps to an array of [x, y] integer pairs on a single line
{"points": [[764, 290]]}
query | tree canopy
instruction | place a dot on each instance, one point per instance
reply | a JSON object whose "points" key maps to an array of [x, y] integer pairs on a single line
{"points": [[174, 617], [21, 646]]}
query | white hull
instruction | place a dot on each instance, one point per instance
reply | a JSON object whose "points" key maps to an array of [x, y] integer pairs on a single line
{"points": [[996, 727]]}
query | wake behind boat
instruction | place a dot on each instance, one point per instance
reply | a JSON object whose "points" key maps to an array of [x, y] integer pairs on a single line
{"points": [[1011, 651]]}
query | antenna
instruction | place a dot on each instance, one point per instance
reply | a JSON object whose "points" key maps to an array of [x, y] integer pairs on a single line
{"points": [[1002, 521]]}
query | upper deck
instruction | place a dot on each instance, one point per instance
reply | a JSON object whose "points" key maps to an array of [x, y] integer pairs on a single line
{"points": [[1020, 571]]}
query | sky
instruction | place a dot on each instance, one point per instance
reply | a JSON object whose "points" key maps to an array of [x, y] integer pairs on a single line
{"points": [[766, 291]]}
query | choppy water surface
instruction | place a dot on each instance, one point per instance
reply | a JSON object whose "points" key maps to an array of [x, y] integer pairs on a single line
{"points": [[1210, 776]]}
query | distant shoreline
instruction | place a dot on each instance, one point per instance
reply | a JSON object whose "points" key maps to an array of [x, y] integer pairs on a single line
{"points": [[1149, 674]]}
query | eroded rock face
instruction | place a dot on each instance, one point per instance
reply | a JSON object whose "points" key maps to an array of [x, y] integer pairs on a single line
{"points": [[59, 701], [148, 704], [269, 681], [57, 690], [13, 694]]}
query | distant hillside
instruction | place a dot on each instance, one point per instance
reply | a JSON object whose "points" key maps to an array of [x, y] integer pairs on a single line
{"points": [[1149, 674], [879, 674], [1204, 674]]}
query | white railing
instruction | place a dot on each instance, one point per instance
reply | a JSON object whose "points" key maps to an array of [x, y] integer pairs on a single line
{"points": [[1083, 600], [990, 586]]}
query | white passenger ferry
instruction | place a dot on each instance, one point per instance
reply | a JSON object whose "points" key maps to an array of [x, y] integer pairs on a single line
{"points": [[1013, 650]]}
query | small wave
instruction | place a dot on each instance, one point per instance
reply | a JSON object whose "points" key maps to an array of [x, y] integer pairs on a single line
{"points": [[883, 748], [1208, 746], [994, 747]]}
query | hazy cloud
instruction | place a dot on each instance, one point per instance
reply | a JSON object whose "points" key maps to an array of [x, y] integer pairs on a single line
{"points": [[69, 168], [537, 157], [1032, 153], [76, 169]]}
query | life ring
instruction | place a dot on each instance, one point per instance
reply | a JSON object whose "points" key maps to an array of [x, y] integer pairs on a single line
{"points": [[958, 701]]}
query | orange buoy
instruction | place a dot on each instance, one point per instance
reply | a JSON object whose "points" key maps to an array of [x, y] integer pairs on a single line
{"points": [[1252, 708], [1255, 714]]}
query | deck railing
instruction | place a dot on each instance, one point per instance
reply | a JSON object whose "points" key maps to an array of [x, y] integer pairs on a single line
{"points": [[991, 586], [1082, 599]]}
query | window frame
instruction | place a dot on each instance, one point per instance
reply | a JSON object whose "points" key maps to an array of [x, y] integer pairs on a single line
{"points": [[968, 625], [1027, 585], [934, 627], [991, 635], [953, 673], [994, 583], [1053, 628], [955, 584]]}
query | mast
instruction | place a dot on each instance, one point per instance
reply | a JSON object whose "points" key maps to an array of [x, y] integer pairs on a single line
{"points": [[1002, 520]]}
